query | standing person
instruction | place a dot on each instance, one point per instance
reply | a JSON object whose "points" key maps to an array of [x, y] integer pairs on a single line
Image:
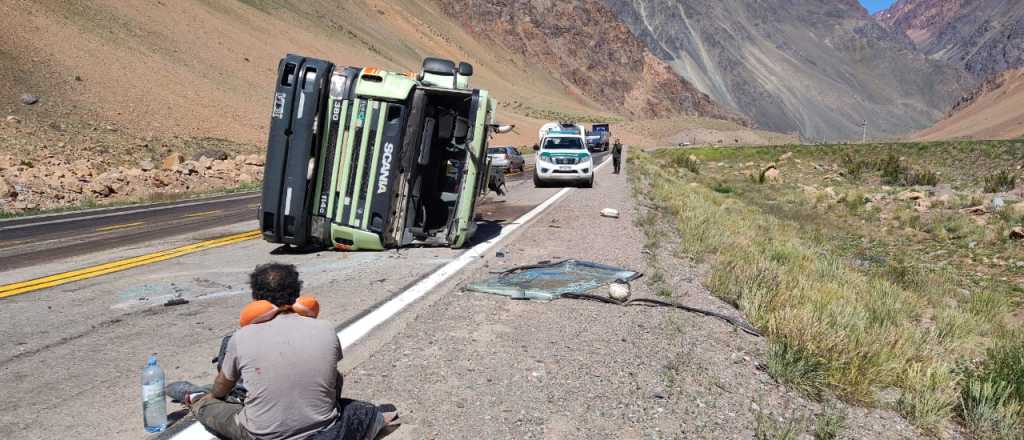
{"points": [[617, 155], [289, 367]]}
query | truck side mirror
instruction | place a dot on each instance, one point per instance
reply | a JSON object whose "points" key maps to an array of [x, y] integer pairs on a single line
{"points": [[536, 147]]}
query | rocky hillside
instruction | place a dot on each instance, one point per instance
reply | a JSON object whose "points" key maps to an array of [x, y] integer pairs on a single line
{"points": [[111, 84], [819, 67], [984, 37], [993, 111], [585, 45]]}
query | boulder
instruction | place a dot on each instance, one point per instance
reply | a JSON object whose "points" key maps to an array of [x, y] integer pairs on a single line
{"points": [[211, 153], [99, 189], [254, 160], [13, 120], [7, 189], [245, 178], [788, 155], [204, 163], [771, 174], [922, 205], [171, 160], [1017, 233], [147, 165], [82, 168], [910, 195]]}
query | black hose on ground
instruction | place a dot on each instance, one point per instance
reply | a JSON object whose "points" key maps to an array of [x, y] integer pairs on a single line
{"points": [[649, 302]]}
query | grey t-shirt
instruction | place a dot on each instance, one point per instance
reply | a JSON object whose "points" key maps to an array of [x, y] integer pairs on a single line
{"points": [[290, 367]]}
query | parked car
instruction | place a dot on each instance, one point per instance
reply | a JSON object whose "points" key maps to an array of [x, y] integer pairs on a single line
{"points": [[507, 157]]}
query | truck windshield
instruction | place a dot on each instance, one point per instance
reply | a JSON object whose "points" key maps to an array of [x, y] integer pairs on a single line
{"points": [[563, 143]]}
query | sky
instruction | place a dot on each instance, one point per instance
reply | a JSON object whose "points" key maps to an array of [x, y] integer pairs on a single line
{"points": [[876, 5]]}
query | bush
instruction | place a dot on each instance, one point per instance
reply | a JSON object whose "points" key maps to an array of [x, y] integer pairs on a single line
{"points": [[687, 162], [999, 182], [893, 170], [922, 178], [796, 368], [989, 411]]}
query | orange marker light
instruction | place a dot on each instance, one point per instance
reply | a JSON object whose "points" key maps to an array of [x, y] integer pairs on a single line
{"points": [[371, 71]]}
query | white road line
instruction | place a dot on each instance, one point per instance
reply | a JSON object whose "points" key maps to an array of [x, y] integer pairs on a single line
{"points": [[111, 214], [357, 330]]}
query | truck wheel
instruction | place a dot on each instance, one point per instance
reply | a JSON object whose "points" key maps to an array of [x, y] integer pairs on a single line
{"points": [[537, 183], [589, 183]]}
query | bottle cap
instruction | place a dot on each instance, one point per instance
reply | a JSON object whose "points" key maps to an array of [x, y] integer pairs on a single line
{"points": [[152, 360]]}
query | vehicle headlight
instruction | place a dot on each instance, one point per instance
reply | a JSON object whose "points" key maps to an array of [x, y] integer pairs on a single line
{"points": [[586, 160], [544, 158]]}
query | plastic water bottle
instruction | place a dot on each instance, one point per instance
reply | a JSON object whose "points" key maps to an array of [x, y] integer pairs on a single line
{"points": [[154, 405]]}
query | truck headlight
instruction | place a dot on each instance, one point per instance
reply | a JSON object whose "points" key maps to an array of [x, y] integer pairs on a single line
{"points": [[544, 158]]}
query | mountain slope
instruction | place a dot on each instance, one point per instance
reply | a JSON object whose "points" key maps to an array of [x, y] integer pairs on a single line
{"points": [[819, 67], [991, 112], [585, 44], [985, 37], [206, 68]]}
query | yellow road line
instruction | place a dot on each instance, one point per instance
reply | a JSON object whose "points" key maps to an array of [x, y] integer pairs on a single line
{"points": [[200, 214], [254, 205], [8, 290], [115, 227]]}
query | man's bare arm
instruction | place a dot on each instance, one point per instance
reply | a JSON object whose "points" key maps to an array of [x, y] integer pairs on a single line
{"points": [[222, 386]]}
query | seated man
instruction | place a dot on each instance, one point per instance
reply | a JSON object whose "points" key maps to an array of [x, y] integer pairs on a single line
{"points": [[289, 367]]}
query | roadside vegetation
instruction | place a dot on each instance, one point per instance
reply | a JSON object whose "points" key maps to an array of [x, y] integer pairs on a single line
{"points": [[883, 275]]}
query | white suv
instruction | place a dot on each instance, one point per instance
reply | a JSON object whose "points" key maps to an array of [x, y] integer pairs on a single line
{"points": [[564, 157]]}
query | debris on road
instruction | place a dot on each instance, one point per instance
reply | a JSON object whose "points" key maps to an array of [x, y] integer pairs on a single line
{"points": [[610, 213], [29, 99], [550, 281], [572, 279], [175, 302], [619, 291]]}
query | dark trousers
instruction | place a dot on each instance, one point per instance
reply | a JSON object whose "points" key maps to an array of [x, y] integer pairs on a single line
{"points": [[616, 163], [219, 416]]}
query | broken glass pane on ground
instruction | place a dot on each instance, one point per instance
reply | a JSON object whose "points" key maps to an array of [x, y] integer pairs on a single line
{"points": [[547, 282]]}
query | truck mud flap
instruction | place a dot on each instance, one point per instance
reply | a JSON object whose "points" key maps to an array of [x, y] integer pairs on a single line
{"points": [[292, 148]]}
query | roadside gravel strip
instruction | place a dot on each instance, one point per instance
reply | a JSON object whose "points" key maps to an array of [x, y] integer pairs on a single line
{"points": [[469, 365]]}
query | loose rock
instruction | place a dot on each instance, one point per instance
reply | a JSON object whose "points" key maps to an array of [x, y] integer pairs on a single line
{"points": [[13, 120], [29, 99], [147, 165], [1017, 233], [171, 160], [211, 153]]}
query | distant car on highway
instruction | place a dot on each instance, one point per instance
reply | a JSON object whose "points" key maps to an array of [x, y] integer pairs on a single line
{"points": [[507, 157]]}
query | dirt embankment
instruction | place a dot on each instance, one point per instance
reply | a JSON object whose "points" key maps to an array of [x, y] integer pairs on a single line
{"points": [[990, 112]]}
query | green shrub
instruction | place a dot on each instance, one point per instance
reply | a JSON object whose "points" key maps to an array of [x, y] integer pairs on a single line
{"points": [[686, 162], [922, 178], [830, 423], [999, 182], [989, 411], [796, 368], [894, 172]]}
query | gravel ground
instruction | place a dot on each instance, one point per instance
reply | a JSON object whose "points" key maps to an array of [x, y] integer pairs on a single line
{"points": [[471, 365]]}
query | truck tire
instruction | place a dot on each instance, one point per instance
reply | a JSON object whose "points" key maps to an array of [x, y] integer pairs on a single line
{"points": [[589, 183], [537, 183]]}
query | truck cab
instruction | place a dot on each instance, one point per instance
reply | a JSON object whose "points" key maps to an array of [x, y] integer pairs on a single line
{"points": [[366, 159]]}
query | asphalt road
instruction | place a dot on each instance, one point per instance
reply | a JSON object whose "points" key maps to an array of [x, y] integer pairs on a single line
{"points": [[30, 241], [26, 242]]}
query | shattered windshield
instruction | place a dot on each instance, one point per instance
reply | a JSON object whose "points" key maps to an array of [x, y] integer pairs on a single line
{"points": [[550, 281]]}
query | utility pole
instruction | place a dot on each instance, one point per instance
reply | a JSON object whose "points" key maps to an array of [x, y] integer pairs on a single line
{"points": [[864, 136]]}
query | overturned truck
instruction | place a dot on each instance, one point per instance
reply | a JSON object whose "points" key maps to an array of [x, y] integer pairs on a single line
{"points": [[365, 159]]}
